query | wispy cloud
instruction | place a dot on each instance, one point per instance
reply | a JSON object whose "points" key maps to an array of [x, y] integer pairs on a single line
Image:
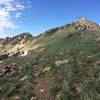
{"points": [[5, 1], [7, 9], [19, 7], [18, 15]]}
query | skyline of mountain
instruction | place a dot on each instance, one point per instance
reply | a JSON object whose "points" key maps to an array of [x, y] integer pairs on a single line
{"points": [[17, 16], [83, 21]]}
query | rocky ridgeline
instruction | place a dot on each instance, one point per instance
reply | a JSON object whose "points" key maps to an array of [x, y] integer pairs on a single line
{"points": [[17, 39], [87, 24]]}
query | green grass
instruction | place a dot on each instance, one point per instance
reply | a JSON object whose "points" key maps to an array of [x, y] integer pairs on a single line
{"points": [[81, 50]]}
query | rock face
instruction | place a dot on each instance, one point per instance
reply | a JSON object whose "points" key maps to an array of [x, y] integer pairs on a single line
{"points": [[16, 43], [46, 69], [9, 70], [16, 39], [61, 62], [23, 78], [87, 23]]}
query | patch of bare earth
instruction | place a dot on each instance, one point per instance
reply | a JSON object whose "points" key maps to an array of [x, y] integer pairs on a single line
{"points": [[42, 92], [44, 79]]}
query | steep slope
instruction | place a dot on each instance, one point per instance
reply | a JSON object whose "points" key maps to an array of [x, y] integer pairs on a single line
{"points": [[15, 43], [63, 66]]}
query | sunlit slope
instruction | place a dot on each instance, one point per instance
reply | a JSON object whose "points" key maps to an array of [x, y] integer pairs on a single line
{"points": [[63, 65]]}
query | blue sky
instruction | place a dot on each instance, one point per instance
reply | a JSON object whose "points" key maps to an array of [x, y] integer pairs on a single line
{"points": [[37, 16]]}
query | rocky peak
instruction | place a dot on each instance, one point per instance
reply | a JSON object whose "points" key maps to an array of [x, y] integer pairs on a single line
{"points": [[17, 39], [25, 35], [87, 24]]}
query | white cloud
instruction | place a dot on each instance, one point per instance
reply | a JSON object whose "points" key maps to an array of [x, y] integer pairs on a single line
{"points": [[5, 1], [3, 35], [3, 13], [20, 7], [6, 21], [7, 9], [18, 15], [10, 8]]}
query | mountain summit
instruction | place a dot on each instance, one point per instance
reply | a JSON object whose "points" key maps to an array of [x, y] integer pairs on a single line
{"points": [[86, 23]]}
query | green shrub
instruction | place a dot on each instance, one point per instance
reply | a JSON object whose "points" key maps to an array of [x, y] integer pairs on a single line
{"points": [[28, 70], [53, 88]]}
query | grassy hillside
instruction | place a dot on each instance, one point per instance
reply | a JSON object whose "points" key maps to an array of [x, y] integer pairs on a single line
{"points": [[65, 66]]}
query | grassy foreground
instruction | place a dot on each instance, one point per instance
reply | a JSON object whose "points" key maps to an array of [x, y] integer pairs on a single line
{"points": [[65, 67]]}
